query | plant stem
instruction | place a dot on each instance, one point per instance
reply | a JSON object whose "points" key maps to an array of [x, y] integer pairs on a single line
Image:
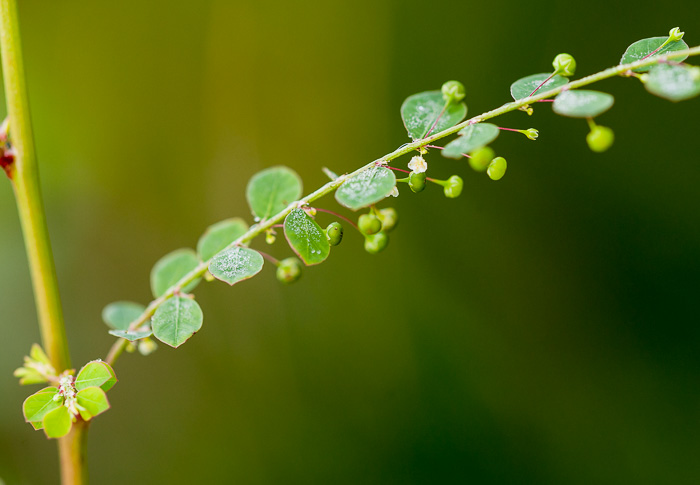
{"points": [[25, 180], [24, 174], [329, 187]]}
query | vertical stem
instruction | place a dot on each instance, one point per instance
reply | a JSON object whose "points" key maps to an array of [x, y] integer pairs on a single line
{"points": [[25, 179], [27, 191], [73, 451]]}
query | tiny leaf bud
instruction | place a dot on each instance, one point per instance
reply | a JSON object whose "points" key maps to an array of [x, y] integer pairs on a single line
{"points": [[376, 243], [453, 186], [497, 168], [453, 91], [564, 64], [480, 158], [600, 138], [334, 231], [289, 270]]}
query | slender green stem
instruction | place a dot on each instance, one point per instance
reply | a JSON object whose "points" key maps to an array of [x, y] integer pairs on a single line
{"points": [[259, 228], [25, 179], [24, 174]]}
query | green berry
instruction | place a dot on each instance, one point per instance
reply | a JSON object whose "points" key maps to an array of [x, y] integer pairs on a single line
{"points": [[453, 187], [369, 224], [480, 158], [600, 138], [497, 168], [453, 91], [289, 270], [564, 64], [389, 218], [416, 181], [376, 243], [334, 231]]}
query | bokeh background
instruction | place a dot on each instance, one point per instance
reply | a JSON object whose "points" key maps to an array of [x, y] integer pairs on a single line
{"points": [[539, 329]]}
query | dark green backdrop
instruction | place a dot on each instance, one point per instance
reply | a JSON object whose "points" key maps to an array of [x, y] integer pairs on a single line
{"points": [[540, 329]]}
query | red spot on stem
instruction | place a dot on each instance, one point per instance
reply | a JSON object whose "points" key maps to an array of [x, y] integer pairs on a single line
{"points": [[6, 162]]}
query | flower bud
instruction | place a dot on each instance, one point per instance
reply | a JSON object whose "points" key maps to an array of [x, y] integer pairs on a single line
{"points": [[147, 346], [564, 64], [417, 164], [479, 159], [369, 224], [334, 231], [270, 237], [497, 168], [600, 138], [376, 243], [675, 34], [416, 182], [531, 133], [289, 270], [453, 186], [453, 91], [389, 218]]}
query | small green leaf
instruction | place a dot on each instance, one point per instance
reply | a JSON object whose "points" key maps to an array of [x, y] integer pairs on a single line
{"points": [[523, 87], [36, 406], [582, 104], [96, 373], [420, 111], [58, 422], [271, 190], [37, 425], [366, 188], [675, 83], [28, 376], [306, 237], [471, 138], [218, 236], [93, 400], [177, 320], [171, 268], [642, 48], [120, 314], [131, 335], [236, 264], [38, 354]]}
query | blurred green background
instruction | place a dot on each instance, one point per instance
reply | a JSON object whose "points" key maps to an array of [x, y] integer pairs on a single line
{"points": [[540, 329]]}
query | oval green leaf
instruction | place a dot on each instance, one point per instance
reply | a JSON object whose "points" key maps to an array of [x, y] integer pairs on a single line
{"points": [[171, 268], [120, 314], [366, 188], [420, 111], [306, 237], [218, 236], [582, 104], [131, 335], [471, 138], [642, 48], [96, 373], [36, 406], [177, 320], [675, 83], [271, 190], [58, 422], [236, 264], [93, 401], [523, 87]]}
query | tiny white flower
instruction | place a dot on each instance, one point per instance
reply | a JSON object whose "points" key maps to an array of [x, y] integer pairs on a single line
{"points": [[417, 164], [394, 192]]}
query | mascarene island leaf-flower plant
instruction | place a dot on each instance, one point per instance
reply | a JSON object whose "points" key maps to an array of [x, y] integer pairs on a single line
{"points": [[436, 121]]}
